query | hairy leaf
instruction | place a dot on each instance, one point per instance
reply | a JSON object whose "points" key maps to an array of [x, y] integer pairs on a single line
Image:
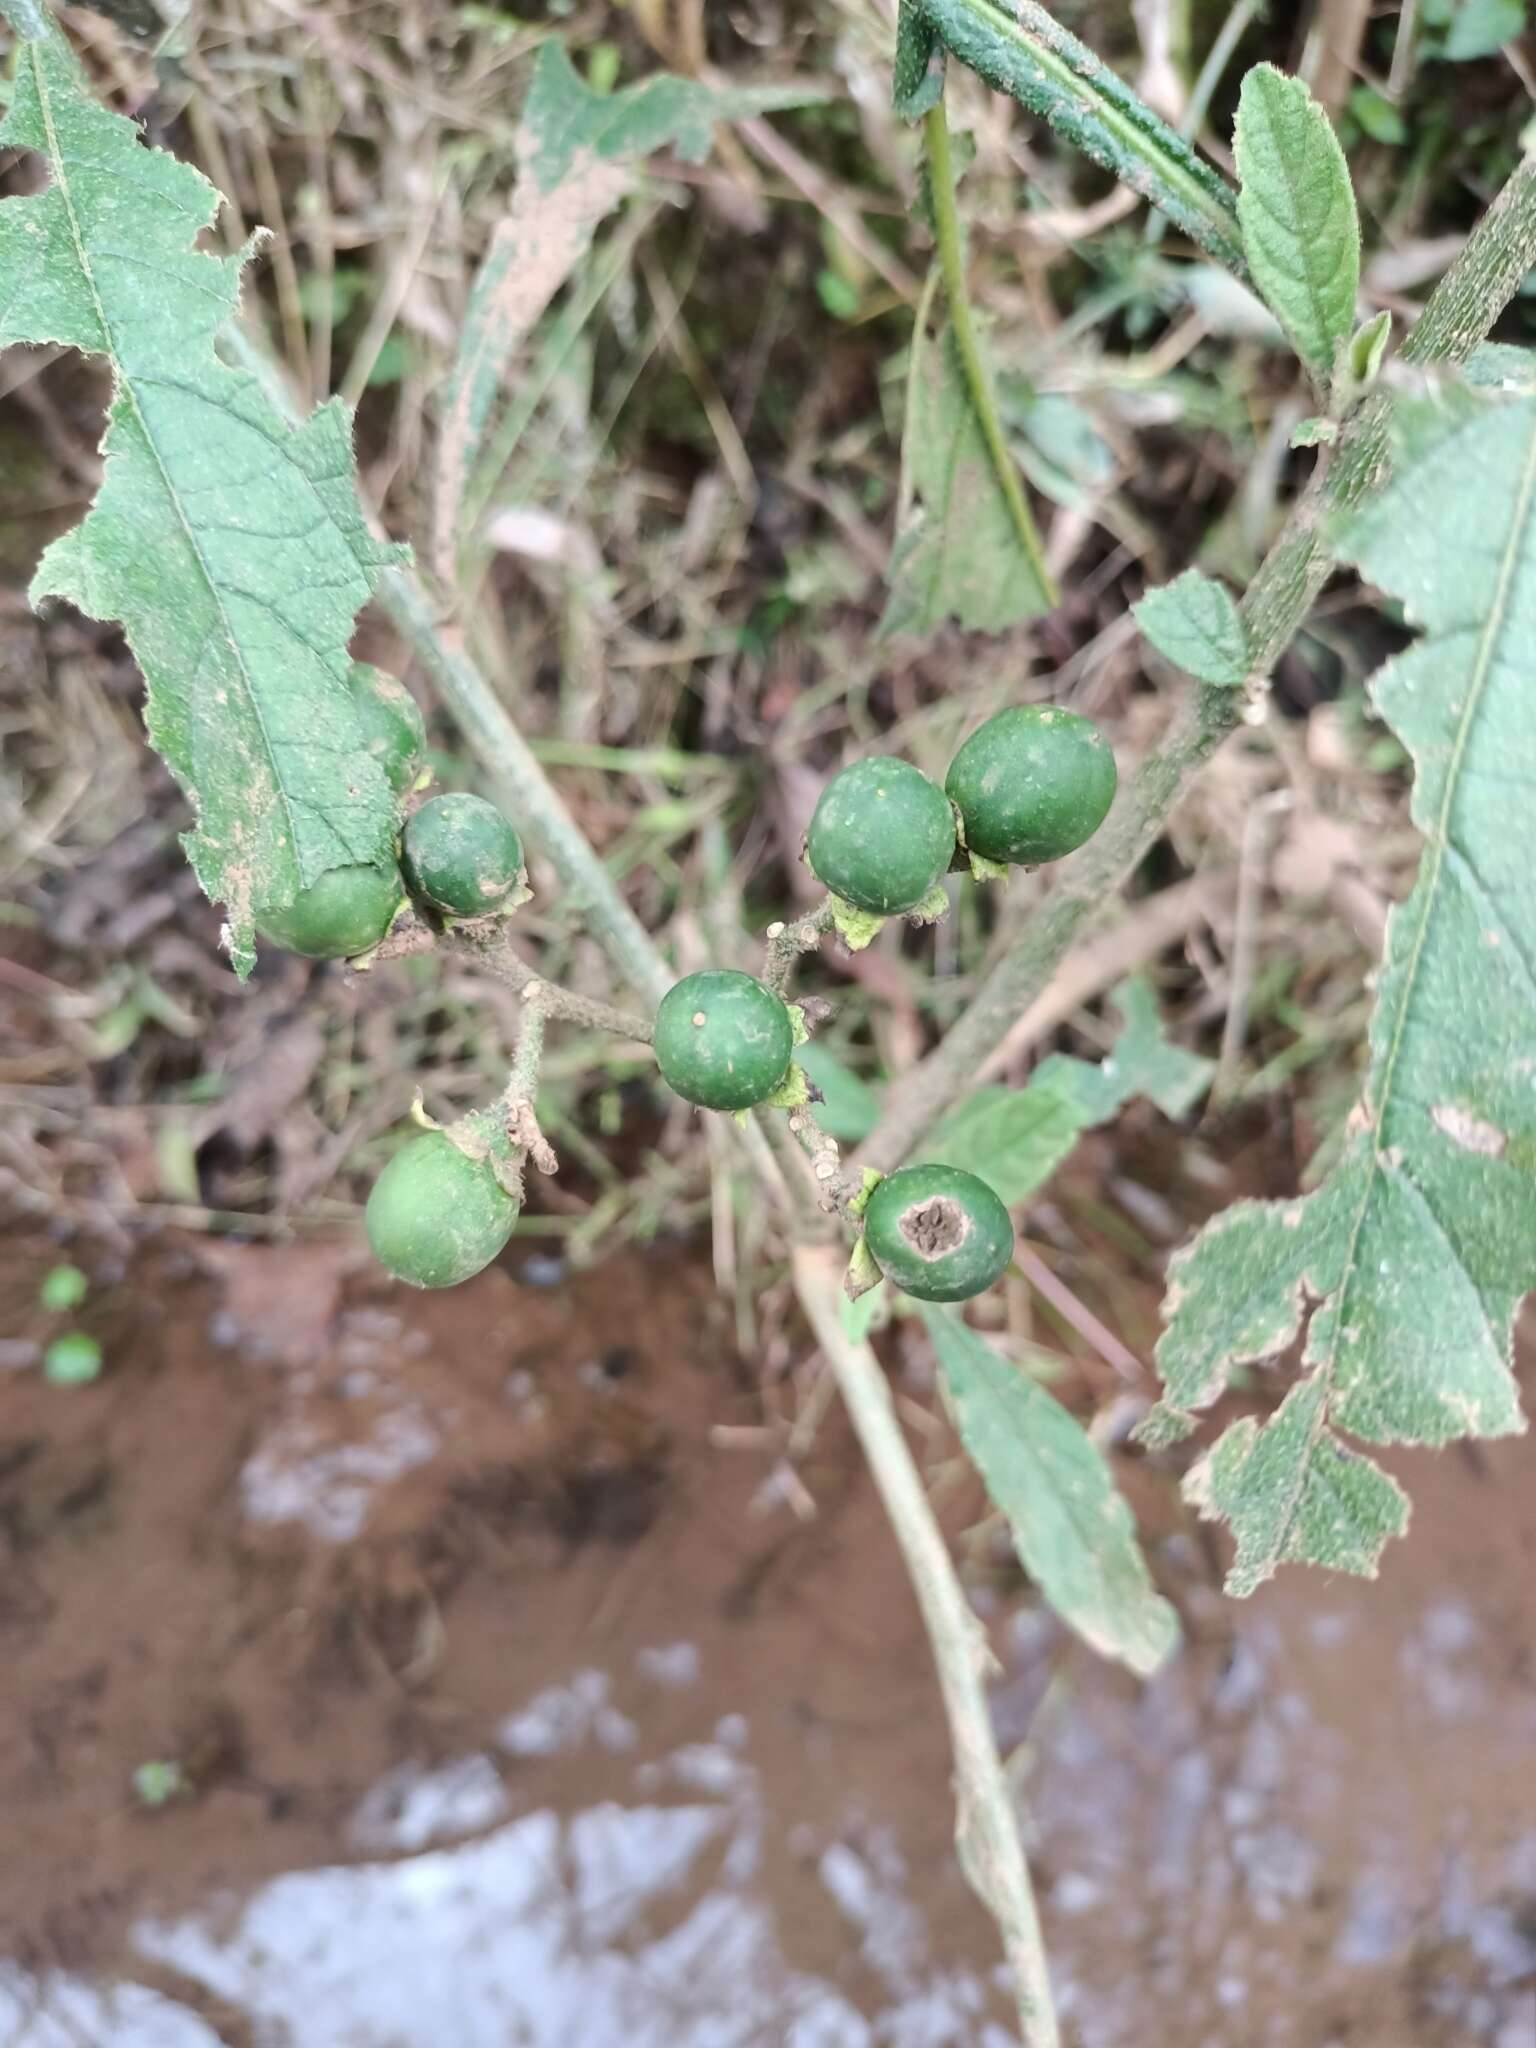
{"points": [[917, 78], [1194, 622], [961, 552], [230, 546], [1297, 209], [1417, 1249], [1017, 47], [1074, 1534], [574, 151], [1015, 1138]]}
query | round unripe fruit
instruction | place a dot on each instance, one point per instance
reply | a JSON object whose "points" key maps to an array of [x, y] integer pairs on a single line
{"points": [[393, 731], [460, 855], [938, 1233], [1032, 784], [344, 911], [723, 1040], [881, 836], [436, 1216]]}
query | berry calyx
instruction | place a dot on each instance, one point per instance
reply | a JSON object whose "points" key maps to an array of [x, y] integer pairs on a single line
{"points": [[938, 1233], [393, 731], [723, 1040], [341, 913], [881, 836], [436, 1216], [1032, 784], [461, 855]]}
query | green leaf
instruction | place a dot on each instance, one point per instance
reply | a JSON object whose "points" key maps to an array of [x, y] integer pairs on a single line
{"points": [[960, 553], [1020, 49], [1377, 116], [1015, 1138], [229, 546], [575, 149], [1368, 348], [1297, 209], [1195, 624], [1480, 27], [917, 79], [1074, 1534], [850, 1108], [1418, 1247], [63, 1287]]}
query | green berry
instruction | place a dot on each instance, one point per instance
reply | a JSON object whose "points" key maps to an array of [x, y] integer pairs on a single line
{"points": [[938, 1233], [461, 855], [881, 836], [1032, 784], [393, 731], [436, 1216], [723, 1040], [345, 911]]}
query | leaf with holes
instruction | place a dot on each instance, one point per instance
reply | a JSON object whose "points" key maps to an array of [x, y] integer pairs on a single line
{"points": [[1297, 210], [1073, 1532], [1414, 1254], [230, 546]]}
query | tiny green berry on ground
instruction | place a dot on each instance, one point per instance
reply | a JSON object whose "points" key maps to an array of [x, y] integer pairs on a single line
{"points": [[1032, 784], [436, 1216], [881, 836], [938, 1233], [723, 1040], [461, 855]]}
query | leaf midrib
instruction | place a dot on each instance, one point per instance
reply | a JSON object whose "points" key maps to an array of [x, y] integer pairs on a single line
{"points": [[1437, 849], [125, 387]]}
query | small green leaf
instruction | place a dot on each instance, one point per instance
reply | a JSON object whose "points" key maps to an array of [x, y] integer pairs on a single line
{"points": [[1297, 209], [231, 547], [1194, 623], [1377, 116], [1368, 349], [1314, 432], [850, 1108], [1480, 27], [793, 1092], [917, 79], [64, 1287], [1074, 1534], [1410, 1259], [73, 1360], [856, 928], [863, 1274], [1015, 1138], [960, 553]]}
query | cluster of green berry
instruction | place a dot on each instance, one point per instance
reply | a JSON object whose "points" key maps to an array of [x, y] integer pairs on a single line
{"points": [[459, 857], [1029, 786]]}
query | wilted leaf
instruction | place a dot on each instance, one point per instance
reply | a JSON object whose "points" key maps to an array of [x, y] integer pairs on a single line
{"points": [[1417, 1249], [1015, 1138], [1074, 1534], [1297, 209], [230, 546], [574, 150], [963, 552], [1194, 622]]}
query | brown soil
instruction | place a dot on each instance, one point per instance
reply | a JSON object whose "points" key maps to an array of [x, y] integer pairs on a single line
{"points": [[514, 1707]]}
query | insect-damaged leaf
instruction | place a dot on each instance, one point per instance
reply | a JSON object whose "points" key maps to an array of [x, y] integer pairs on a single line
{"points": [[230, 546], [1416, 1250], [1073, 1532]]}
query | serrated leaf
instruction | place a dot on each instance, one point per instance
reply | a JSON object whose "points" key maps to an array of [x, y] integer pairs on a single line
{"points": [[961, 553], [575, 152], [230, 547], [1417, 1249], [1296, 206], [917, 76], [1074, 1534], [1194, 622], [1015, 1138]]}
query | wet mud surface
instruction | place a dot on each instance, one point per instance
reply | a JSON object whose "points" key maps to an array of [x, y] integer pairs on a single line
{"points": [[493, 1699]]}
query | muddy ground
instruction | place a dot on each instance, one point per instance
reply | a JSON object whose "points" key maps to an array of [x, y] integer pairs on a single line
{"points": [[508, 1701]]}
